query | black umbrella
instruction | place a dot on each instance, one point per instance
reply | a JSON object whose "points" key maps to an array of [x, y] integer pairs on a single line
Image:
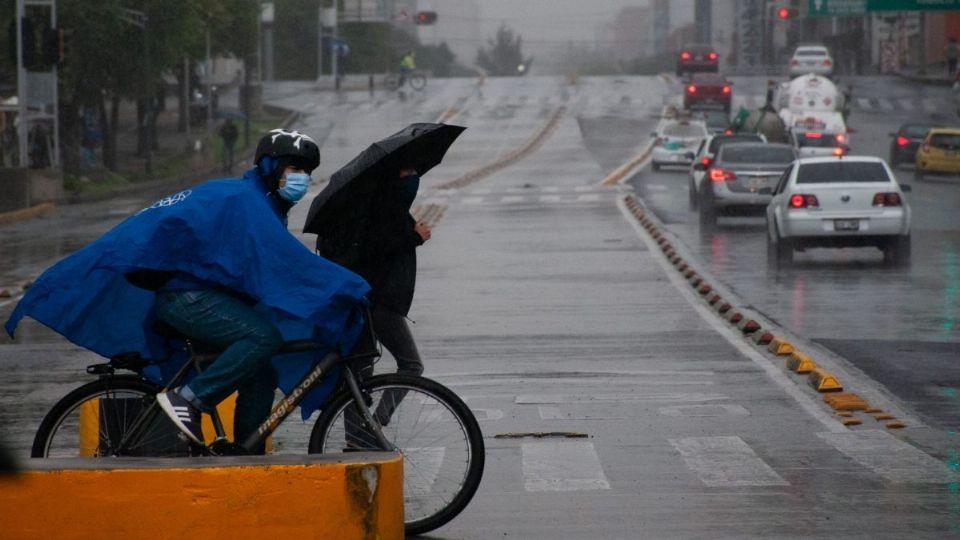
{"points": [[419, 146]]}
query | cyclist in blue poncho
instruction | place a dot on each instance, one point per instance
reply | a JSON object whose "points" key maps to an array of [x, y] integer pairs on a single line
{"points": [[217, 263]]}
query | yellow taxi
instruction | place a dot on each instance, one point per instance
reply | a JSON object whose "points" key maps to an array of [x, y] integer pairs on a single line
{"points": [[939, 152]]}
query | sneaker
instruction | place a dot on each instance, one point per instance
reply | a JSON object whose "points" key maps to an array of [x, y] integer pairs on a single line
{"points": [[183, 415]]}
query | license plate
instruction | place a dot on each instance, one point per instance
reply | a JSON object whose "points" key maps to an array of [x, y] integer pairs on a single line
{"points": [[846, 224]]}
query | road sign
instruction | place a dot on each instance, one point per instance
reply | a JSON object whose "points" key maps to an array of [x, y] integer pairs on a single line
{"points": [[849, 8], [912, 5], [836, 8]]}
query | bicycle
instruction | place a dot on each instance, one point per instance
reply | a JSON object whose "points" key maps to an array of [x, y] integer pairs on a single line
{"points": [[434, 430], [416, 79]]}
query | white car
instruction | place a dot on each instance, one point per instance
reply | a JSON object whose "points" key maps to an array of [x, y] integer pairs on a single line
{"points": [[676, 141], [811, 59], [848, 201]]}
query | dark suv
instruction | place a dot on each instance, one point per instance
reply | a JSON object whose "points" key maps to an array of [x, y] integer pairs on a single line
{"points": [[710, 89], [697, 57], [903, 147]]}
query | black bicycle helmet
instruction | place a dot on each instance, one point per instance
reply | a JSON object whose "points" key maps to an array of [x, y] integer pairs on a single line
{"points": [[299, 149]]}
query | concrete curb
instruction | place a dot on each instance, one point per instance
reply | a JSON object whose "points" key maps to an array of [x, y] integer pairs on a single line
{"points": [[932, 81], [311, 496]]}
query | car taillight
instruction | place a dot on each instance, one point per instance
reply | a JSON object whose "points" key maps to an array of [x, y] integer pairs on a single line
{"points": [[712, 56], [889, 198], [827, 62], [684, 55], [902, 141], [691, 89], [721, 175], [838, 151], [726, 89], [794, 62], [706, 161], [803, 200], [728, 131]]}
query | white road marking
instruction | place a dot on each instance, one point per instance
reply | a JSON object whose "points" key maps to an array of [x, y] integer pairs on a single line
{"points": [[512, 199], [864, 103], [726, 462], [895, 460], [704, 410], [481, 191], [590, 197], [487, 414], [548, 399], [471, 200], [550, 198], [657, 188], [562, 466]]}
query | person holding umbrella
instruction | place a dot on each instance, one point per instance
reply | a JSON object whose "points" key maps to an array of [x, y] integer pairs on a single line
{"points": [[217, 263], [362, 220]]}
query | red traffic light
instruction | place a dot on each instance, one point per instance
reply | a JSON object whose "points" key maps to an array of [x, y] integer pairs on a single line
{"points": [[787, 13], [425, 17]]}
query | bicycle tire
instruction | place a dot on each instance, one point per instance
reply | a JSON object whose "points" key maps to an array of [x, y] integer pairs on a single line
{"points": [[92, 419], [430, 412], [417, 80]]}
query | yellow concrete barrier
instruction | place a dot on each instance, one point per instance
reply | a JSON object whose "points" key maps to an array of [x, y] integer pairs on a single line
{"points": [[780, 346], [800, 363], [824, 381], [356, 496]]}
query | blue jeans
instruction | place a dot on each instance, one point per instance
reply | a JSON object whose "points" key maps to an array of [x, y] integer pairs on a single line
{"points": [[249, 341]]}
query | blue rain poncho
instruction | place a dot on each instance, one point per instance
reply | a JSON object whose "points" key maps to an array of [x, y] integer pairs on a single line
{"points": [[228, 233]]}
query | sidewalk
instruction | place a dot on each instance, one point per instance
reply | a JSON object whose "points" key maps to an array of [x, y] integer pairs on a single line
{"points": [[935, 75]]}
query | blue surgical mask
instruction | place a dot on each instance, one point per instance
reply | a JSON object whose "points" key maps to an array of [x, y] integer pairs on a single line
{"points": [[408, 187], [295, 187]]}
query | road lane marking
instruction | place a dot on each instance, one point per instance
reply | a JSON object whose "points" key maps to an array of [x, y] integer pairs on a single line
{"points": [[704, 410], [726, 462], [549, 399], [895, 460], [562, 466], [592, 197], [864, 103], [550, 198]]}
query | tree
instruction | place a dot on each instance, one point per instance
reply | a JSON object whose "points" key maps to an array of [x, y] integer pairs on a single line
{"points": [[504, 55]]}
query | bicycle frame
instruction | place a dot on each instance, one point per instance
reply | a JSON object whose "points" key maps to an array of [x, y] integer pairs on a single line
{"points": [[285, 406]]}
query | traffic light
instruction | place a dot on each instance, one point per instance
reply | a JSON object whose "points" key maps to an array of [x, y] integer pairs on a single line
{"points": [[425, 17], [54, 46], [785, 13]]}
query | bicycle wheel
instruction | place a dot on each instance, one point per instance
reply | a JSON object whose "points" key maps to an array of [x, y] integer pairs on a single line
{"points": [[417, 80], [92, 420], [434, 430]]}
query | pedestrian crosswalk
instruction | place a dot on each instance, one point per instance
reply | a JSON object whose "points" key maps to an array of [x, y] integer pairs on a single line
{"points": [[578, 442], [868, 105]]}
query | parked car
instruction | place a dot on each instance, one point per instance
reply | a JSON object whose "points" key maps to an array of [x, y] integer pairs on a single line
{"points": [[741, 179], [847, 201], [905, 142], [703, 157], [675, 142], [939, 152], [697, 57], [710, 89], [811, 59]]}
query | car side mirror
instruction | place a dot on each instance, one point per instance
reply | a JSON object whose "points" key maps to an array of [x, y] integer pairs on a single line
{"points": [[906, 188]]}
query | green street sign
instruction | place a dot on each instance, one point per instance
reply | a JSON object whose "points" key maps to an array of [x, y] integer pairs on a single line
{"points": [[836, 8], [913, 5], [852, 8]]}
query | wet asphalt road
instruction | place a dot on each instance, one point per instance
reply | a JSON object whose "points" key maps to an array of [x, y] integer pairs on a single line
{"points": [[544, 308]]}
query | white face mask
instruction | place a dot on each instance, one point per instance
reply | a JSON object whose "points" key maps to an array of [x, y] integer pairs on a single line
{"points": [[295, 186]]}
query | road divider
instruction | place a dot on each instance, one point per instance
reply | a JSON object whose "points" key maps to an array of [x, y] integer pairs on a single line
{"points": [[318, 496], [798, 362]]}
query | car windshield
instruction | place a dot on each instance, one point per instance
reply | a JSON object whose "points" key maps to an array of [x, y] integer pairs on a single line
{"points": [[716, 121], [841, 171], [916, 131], [717, 142], [947, 141], [708, 79], [683, 130], [756, 154], [811, 52]]}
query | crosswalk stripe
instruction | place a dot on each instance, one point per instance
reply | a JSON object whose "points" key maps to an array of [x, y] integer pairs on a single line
{"points": [[562, 466], [895, 460], [726, 462], [906, 104], [884, 104], [863, 103]]}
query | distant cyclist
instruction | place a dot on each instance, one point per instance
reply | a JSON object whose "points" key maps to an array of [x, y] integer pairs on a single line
{"points": [[407, 64]]}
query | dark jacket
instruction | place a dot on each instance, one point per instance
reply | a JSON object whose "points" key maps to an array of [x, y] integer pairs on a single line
{"points": [[387, 256]]}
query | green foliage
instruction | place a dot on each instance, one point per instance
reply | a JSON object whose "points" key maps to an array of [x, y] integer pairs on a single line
{"points": [[504, 54]]}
